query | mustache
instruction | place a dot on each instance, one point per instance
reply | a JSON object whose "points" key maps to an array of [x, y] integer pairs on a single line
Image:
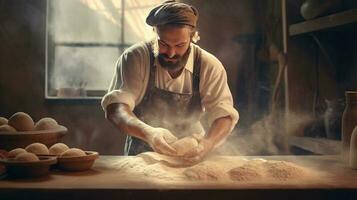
{"points": [[163, 55]]}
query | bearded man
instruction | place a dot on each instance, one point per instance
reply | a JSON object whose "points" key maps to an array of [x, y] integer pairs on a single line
{"points": [[162, 87]]}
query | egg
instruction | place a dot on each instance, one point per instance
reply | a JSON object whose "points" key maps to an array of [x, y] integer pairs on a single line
{"points": [[73, 152], [37, 148], [13, 153], [58, 149], [46, 123], [7, 128], [21, 122], [26, 156], [3, 121]]}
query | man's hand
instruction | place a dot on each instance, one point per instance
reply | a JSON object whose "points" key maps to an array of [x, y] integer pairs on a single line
{"points": [[205, 146], [159, 140]]}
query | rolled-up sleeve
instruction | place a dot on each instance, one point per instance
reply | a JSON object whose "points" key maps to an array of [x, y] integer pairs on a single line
{"points": [[216, 97], [128, 81]]}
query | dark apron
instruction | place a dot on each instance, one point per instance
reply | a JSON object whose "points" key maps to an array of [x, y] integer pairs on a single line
{"points": [[179, 113]]}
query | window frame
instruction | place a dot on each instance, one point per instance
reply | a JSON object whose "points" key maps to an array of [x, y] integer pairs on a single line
{"points": [[50, 45]]}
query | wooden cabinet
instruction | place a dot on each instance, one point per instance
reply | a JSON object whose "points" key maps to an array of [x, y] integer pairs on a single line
{"points": [[322, 65]]}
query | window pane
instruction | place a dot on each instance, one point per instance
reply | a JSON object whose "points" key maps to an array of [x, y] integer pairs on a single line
{"points": [[76, 21], [90, 68], [86, 37]]}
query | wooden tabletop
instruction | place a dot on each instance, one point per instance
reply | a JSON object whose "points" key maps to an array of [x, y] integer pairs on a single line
{"points": [[104, 179]]}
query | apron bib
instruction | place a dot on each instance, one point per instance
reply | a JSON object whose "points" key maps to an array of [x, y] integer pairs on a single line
{"points": [[179, 113]]}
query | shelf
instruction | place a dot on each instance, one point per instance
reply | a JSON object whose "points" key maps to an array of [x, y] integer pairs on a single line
{"points": [[322, 146], [330, 21]]}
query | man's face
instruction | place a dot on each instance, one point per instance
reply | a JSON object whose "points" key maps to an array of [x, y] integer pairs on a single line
{"points": [[174, 43]]}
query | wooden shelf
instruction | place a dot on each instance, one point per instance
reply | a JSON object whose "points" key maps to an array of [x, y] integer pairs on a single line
{"points": [[321, 146], [338, 19]]}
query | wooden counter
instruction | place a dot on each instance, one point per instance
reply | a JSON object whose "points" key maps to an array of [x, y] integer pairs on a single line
{"points": [[106, 182]]}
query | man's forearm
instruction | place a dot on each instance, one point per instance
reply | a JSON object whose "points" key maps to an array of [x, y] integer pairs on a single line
{"points": [[123, 118], [219, 130]]}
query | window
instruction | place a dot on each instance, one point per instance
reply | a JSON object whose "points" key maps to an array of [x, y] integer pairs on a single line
{"points": [[84, 40]]}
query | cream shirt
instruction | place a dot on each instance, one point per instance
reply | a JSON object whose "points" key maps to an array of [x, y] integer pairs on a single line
{"points": [[132, 74]]}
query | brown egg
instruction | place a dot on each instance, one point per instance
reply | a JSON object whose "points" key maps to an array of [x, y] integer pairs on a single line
{"points": [[7, 128], [37, 148], [73, 152], [28, 157], [46, 123], [21, 122], [13, 153], [58, 149], [3, 121]]}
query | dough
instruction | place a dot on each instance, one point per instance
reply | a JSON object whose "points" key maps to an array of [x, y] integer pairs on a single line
{"points": [[58, 149], [37, 148], [21, 122], [7, 128], [73, 152], [3, 121], [185, 146], [46, 123], [13, 153], [28, 157], [175, 162]]}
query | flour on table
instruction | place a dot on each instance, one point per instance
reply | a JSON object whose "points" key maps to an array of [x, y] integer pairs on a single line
{"points": [[234, 170]]}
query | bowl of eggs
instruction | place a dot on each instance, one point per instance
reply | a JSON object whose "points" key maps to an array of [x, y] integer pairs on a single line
{"points": [[36, 160], [22, 164], [72, 159], [20, 130], [68, 159]]}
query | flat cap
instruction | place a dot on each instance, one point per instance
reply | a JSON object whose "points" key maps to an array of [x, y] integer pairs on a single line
{"points": [[172, 12]]}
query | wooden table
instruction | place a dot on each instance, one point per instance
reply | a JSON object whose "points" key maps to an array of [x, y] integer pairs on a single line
{"points": [[104, 182]]}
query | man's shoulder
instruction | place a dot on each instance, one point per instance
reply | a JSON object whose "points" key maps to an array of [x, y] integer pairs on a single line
{"points": [[137, 49], [209, 61]]}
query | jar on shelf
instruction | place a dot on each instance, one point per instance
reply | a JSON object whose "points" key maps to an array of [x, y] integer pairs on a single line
{"points": [[349, 121], [353, 149]]}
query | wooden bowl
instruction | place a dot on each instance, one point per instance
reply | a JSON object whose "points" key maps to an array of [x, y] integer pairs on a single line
{"points": [[79, 163], [23, 169], [12, 140]]}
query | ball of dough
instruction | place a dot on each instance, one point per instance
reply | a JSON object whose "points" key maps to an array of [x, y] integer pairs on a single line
{"points": [[46, 123], [13, 153], [185, 145], [7, 128], [58, 149], [3, 121], [37, 148], [26, 156], [21, 122], [73, 152]]}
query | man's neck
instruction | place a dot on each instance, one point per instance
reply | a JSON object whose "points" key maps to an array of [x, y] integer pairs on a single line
{"points": [[176, 72]]}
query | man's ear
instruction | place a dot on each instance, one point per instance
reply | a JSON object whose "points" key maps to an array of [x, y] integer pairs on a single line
{"points": [[195, 37]]}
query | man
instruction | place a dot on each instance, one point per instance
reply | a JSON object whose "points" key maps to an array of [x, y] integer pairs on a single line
{"points": [[162, 87]]}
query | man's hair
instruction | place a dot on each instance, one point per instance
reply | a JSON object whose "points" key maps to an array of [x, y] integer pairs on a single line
{"points": [[194, 33]]}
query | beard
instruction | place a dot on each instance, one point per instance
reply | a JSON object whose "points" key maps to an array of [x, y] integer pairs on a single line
{"points": [[176, 65]]}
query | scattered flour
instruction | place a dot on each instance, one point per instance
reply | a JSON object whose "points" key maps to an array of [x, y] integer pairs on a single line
{"points": [[282, 170], [213, 169]]}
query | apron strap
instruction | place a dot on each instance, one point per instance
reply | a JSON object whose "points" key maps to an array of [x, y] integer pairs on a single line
{"points": [[196, 71], [152, 68]]}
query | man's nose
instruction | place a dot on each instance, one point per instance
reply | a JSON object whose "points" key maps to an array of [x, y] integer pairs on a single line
{"points": [[171, 52]]}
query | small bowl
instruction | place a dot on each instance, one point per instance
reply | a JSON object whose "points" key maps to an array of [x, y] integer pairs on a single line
{"points": [[23, 169], [80, 163], [12, 140]]}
